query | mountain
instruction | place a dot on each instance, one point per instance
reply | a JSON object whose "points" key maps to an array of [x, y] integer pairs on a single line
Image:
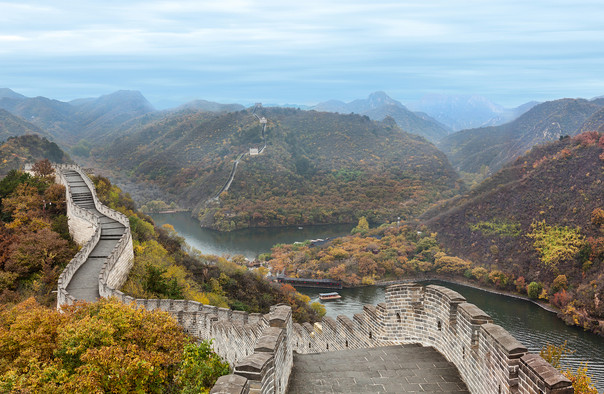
{"points": [[379, 105], [553, 194], [11, 94], [318, 167], [69, 122], [13, 126], [98, 117], [55, 117], [15, 152], [209, 106], [492, 147], [598, 100], [467, 111]]}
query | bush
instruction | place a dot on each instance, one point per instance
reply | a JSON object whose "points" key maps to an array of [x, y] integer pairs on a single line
{"points": [[534, 290]]}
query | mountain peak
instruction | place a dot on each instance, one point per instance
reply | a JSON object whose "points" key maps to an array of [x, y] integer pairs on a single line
{"points": [[9, 93], [378, 99]]}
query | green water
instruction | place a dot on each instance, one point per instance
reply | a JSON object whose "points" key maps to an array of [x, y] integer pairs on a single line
{"points": [[530, 324], [248, 242]]}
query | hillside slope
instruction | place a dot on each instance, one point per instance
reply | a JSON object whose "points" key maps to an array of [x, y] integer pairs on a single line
{"points": [[318, 167], [539, 217], [15, 152], [493, 147], [595, 122], [13, 126]]}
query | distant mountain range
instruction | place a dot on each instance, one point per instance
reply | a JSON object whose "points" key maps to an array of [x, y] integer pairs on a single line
{"points": [[92, 119], [492, 147], [209, 106], [91, 123], [82, 118], [379, 106], [460, 112]]}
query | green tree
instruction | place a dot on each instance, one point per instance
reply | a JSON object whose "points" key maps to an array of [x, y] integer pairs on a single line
{"points": [[318, 308], [361, 227], [534, 290], [200, 368]]}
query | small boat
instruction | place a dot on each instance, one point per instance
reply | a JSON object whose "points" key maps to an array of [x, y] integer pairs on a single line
{"points": [[329, 296]]}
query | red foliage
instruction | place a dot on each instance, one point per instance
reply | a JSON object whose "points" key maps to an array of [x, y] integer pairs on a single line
{"points": [[560, 299], [597, 247], [520, 283], [587, 138]]}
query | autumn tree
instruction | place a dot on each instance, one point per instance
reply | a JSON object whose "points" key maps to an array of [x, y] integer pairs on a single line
{"points": [[100, 347], [44, 169], [555, 244]]}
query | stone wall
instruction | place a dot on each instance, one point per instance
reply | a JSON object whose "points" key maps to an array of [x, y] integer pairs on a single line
{"points": [[84, 228], [488, 358], [260, 347]]}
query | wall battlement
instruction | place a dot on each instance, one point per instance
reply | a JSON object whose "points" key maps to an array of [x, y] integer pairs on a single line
{"points": [[260, 347]]}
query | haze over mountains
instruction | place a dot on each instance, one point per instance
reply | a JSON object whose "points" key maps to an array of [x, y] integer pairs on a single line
{"points": [[467, 112], [379, 105], [492, 147], [90, 123], [71, 121]]}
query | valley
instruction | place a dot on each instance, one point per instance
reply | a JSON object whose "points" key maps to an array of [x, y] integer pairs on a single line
{"points": [[239, 168]]}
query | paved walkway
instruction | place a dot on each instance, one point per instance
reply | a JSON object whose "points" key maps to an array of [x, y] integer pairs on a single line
{"points": [[84, 284], [389, 369]]}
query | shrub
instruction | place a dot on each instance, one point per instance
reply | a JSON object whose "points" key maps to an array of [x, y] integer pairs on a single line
{"points": [[520, 284], [560, 283], [500, 227], [534, 290]]}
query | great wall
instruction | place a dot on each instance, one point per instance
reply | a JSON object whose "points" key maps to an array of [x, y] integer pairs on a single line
{"points": [[261, 348]]}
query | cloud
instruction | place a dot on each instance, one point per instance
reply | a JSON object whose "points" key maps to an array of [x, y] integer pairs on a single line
{"points": [[310, 49]]}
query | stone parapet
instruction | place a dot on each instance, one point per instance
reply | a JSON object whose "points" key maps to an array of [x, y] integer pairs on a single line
{"points": [[489, 359], [84, 228], [260, 347]]}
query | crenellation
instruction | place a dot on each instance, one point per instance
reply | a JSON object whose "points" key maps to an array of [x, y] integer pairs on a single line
{"points": [[260, 347]]}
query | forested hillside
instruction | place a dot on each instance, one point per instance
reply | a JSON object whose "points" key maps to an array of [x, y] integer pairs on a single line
{"points": [[165, 267], [35, 244], [492, 147], [538, 218], [15, 152], [317, 167]]}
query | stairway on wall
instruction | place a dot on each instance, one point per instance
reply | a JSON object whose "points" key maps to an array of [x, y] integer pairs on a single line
{"points": [[85, 283]]}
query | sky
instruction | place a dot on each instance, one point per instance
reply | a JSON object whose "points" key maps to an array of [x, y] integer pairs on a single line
{"points": [[303, 52]]}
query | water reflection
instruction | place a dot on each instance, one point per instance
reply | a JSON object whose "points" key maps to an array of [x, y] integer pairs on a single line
{"points": [[248, 242]]}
